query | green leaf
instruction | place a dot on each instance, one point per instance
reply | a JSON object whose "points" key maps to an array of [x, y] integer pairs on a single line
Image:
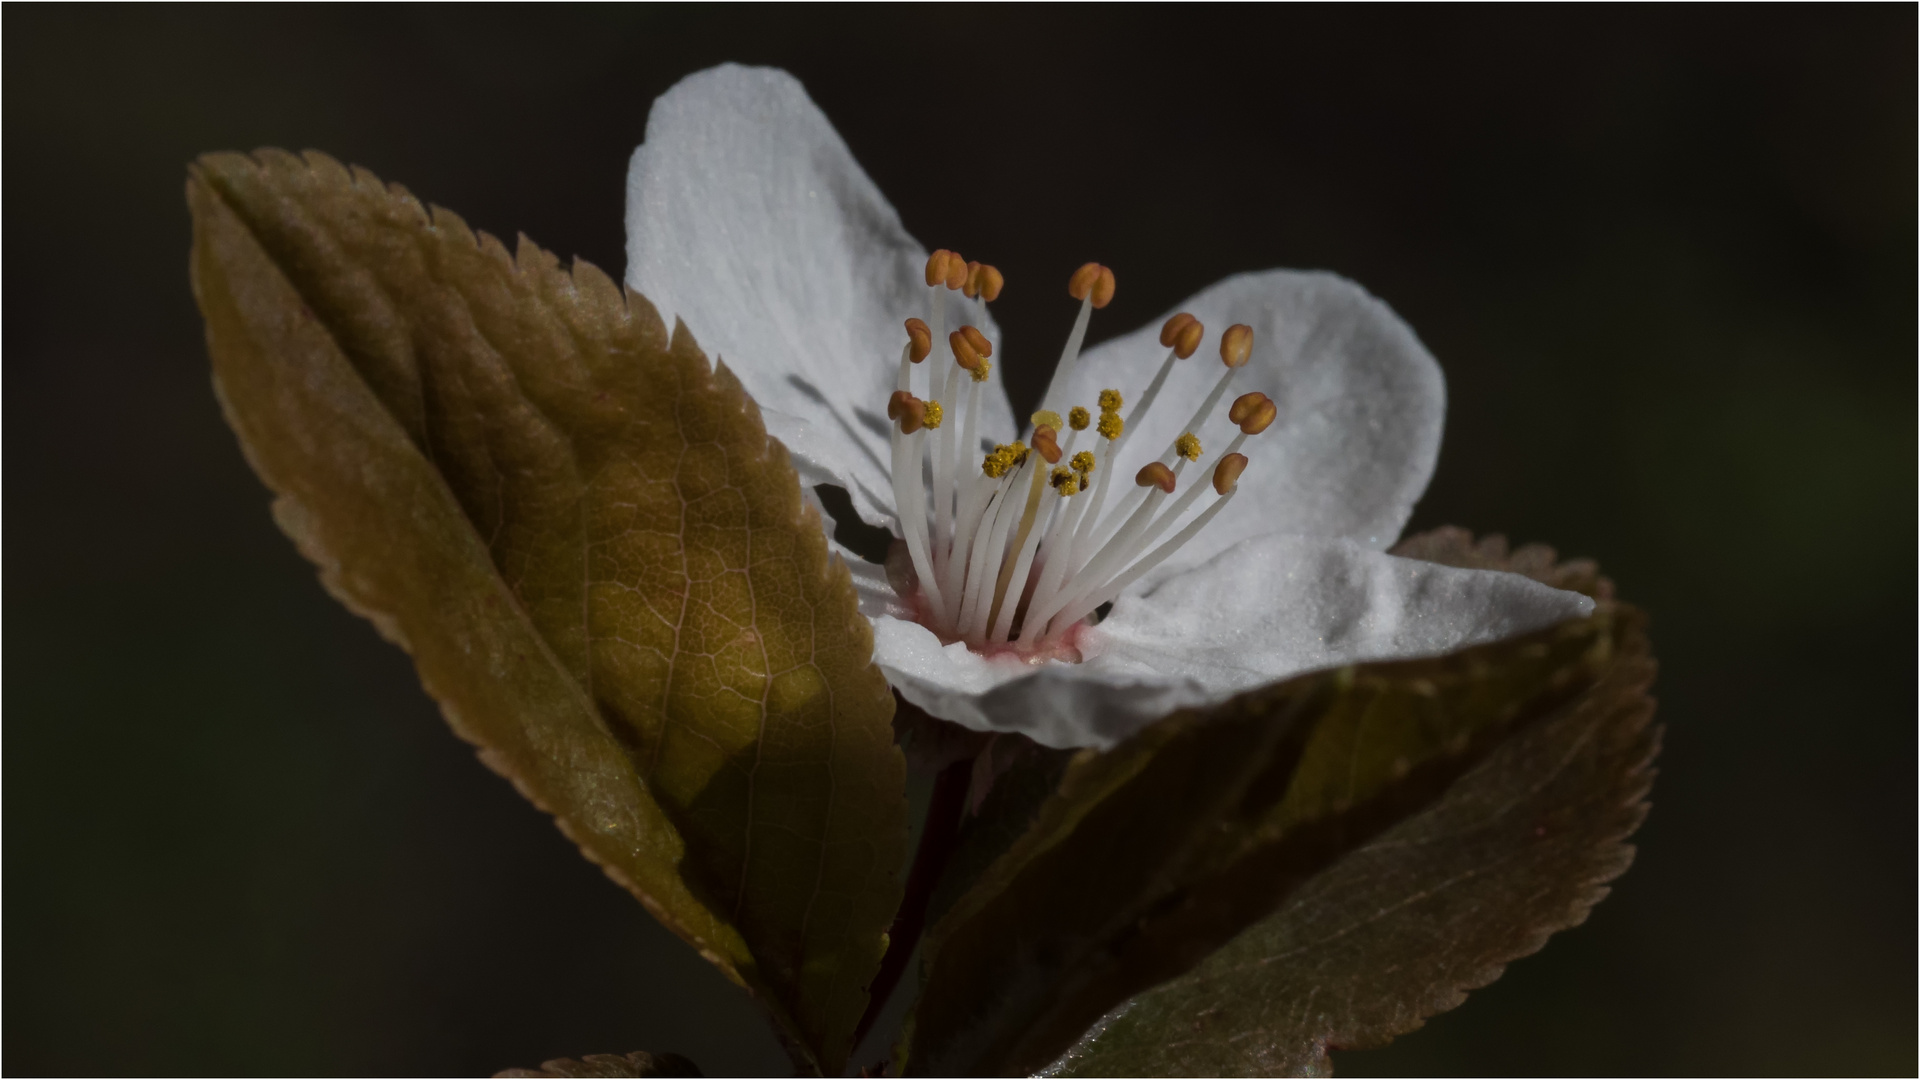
{"points": [[599, 561], [638, 1063], [1158, 852]]}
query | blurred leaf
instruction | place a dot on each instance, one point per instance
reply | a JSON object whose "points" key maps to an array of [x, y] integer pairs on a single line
{"points": [[638, 1063], [1158, 852], [600, 563]]}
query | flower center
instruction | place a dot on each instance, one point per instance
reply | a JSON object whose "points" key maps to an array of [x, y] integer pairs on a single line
{"points": [[1015, 554]]}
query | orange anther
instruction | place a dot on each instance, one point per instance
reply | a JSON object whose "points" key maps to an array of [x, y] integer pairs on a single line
{"points": [[899, 403], [1082, 281], [972, 287], [1103, 288], [978, 340], [937, 264], [1043, 441], [956, 271], [1170, 330], [1236, 345], [1188, 341], [1154, 474], [1258, 420], [1245, 405], [988, 282], [1227, 473], [921, 339], [910, 411], [964, 353]]}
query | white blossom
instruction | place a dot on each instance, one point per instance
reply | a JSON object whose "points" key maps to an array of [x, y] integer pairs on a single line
{"points": [[749, 219]]}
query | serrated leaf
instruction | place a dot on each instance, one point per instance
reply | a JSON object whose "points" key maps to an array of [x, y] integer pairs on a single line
{"points": [[638, 1063], [1154, 854], [600, 563], [1519, 848]]}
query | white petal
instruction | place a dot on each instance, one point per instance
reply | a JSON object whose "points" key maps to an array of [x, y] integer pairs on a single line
{"points": [[1269, 608], [748, 218], [1274, 606], [1360, 400]]}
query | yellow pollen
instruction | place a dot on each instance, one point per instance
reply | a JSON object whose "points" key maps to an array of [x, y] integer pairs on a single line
{"points": [[1110, 400], [1003, 459], [1078, 418], [1111, 425], [934, 414], [980, 373], [1187, 446], [1046, 418], [1064, 481], [1082, 462]]}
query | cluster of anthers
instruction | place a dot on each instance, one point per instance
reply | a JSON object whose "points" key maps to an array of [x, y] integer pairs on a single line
{"points": [[970, 537]]}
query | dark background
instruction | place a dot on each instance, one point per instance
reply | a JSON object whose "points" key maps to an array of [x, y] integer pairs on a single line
{"points": [[1666, 257]]}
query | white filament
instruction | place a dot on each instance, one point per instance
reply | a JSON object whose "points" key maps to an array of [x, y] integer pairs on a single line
{"points": [[959, 526]]}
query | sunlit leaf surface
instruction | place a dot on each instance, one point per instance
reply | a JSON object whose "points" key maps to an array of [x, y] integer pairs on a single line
{"points": [[600, 563]]}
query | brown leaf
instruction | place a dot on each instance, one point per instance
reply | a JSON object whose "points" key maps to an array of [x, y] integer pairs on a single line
{"points": [[1154, 854], [638, 1063], [600, 563], [1517, 849]]}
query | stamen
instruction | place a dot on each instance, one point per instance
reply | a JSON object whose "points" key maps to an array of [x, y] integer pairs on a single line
{"points": [[1227, 474], [903, 404], [1182, 334], [1001, 616], [988, 281], [1259, 417], [1154, 474], [937, 265], [1044, 441], [987, 550], [983, 281], [1236, 345], [919, 340], [1244, 406]]}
